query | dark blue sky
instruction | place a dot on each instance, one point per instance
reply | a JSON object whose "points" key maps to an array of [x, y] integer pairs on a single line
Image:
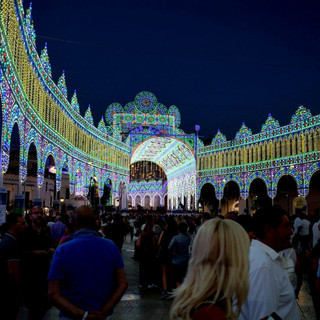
{"points": [[220, 62]]}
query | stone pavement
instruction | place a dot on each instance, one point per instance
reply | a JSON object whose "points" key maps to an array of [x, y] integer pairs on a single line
{"points": [[145, 304]]}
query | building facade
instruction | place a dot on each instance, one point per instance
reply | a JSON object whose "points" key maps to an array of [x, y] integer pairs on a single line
{"points": [[83, 156]]}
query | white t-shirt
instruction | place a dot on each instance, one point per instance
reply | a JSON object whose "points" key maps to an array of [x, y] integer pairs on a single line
{"points": [[316, 233], [305, 230], [270, 288], [297, 223], [131, 222]]}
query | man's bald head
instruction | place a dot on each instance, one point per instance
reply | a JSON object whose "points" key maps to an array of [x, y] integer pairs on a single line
{"points": [[83, 218]]}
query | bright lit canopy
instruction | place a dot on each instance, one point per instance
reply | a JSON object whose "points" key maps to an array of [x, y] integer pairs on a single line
{"points": [[169, 153]]}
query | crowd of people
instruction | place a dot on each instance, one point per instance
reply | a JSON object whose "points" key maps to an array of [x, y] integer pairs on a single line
{"points": [[224, 267]]}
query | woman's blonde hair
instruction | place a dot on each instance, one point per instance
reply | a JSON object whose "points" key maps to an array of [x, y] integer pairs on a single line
{"points": [[218, 270]]}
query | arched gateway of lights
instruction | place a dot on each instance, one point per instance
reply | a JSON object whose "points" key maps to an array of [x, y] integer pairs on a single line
{"points": [[142, 130]]}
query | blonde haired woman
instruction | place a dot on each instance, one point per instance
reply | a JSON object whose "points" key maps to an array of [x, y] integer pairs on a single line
{"points": [[217, 281]]}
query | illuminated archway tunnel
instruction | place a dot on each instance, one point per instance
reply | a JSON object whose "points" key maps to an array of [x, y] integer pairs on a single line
{"points": [[178, 162]]}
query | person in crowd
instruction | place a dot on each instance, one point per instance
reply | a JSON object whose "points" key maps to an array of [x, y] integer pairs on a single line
{"points": [[86, 278], [10, 292], [136, 234], [317, 292], [68, 232], [165, 258], [315, 233], [270, 288], [117, 230], [311, 270], [57, 230], [179, 247], [37, 248], [217, 277], [203, 219], [131, 221], [305, 233], [233, 215], [246, 221], [146, 245], [297, 226], [291, 264]]}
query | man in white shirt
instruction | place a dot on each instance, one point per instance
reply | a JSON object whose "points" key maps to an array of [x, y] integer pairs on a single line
{"points": [[297, 225], [270, 288], [305, 233], [316, 233]]}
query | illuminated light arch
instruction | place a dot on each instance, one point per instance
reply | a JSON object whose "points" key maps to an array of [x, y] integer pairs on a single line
{"points": [[170, 153], [156, 194], [131, 200], [144, 199], [175, 157], [260, 178], [261, 175], [214, 185], [32, 137], [310, 172], [14, 118], [135, 200], [264, 177], [49, 150], [293, 172], [235, 178], [65, 160], [210, 180]]}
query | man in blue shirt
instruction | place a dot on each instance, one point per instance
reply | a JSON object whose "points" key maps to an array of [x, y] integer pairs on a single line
{"points": [[86, 278], [179, 246]]}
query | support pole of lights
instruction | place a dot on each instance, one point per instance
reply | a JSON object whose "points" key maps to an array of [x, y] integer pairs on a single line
{"points": [[197, 128]]}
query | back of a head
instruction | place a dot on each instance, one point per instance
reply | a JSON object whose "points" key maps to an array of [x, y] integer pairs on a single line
{"points": [[117, 217], [267, 216], [83, 218], [246, 221], [218, 268], [182, 227], [206, 216], [220, 242], [11, 219]]}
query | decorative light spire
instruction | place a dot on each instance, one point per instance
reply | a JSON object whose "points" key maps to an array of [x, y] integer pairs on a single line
{"points": [[270, 124], [62, 85], [243, 132], [45, 60], [102, 126], [74, 102], [29, 25], [302, 114], [88, 115]]}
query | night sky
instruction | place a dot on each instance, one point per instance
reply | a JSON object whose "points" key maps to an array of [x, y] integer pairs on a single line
{"points": [[220, 62]]}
